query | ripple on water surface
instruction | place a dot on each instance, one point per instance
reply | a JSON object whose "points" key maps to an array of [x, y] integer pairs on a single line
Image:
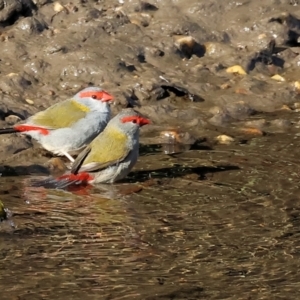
{"points": [[215, 224]]}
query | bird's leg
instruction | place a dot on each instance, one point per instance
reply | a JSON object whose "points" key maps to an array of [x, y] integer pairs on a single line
{"points": [[67, 155]]}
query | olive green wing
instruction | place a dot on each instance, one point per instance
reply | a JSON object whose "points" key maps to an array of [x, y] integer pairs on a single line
{"points": [[106, 150], [60, 115]]}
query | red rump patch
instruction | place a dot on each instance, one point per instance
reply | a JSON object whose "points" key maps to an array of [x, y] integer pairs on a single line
{"points": [[103, 96], [83, 177], [24, 128]]}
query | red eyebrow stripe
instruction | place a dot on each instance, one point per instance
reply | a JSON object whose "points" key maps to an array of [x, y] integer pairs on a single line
{"points": [[139, 120], [103, 96], [24, 128], [90, 94], [128, 119]]}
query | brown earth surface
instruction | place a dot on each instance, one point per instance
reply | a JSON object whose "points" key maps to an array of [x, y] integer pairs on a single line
{"points": [[169, 59]]}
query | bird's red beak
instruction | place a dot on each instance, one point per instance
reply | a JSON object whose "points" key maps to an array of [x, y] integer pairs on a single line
{"points": [[106, 97], [143, 121]]}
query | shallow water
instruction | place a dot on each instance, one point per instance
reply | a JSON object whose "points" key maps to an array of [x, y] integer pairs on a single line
{"points": [[219, 224]]}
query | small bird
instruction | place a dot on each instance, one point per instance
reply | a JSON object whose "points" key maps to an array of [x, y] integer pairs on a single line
{"points": [[110, 156], [67, 127]]}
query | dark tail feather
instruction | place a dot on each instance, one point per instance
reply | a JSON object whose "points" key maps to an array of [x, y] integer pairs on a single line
{"points": [[8, 130], [64, 181]]}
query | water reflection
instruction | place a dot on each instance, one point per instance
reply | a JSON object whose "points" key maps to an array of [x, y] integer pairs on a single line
{"points": [[64, 236], [212, 224]]}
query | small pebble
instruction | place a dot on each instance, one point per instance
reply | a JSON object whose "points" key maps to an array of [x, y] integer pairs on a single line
{"points": [[236, 70], [58, 7], [185, 41], [11, 74], [185, 44], [12, 119], [297, 85], [278, 78], [252, 131], [284, 107], [29, 101], [224, 139]]}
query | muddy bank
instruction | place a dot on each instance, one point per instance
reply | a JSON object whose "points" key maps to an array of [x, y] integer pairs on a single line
{"points": [[170, 59]]}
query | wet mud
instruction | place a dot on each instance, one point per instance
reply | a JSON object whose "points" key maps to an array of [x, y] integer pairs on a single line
{"points": [[211, 209]]}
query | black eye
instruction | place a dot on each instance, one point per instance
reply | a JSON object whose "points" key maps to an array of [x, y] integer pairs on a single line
{"points": [[94, 96], [134, 121]]}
